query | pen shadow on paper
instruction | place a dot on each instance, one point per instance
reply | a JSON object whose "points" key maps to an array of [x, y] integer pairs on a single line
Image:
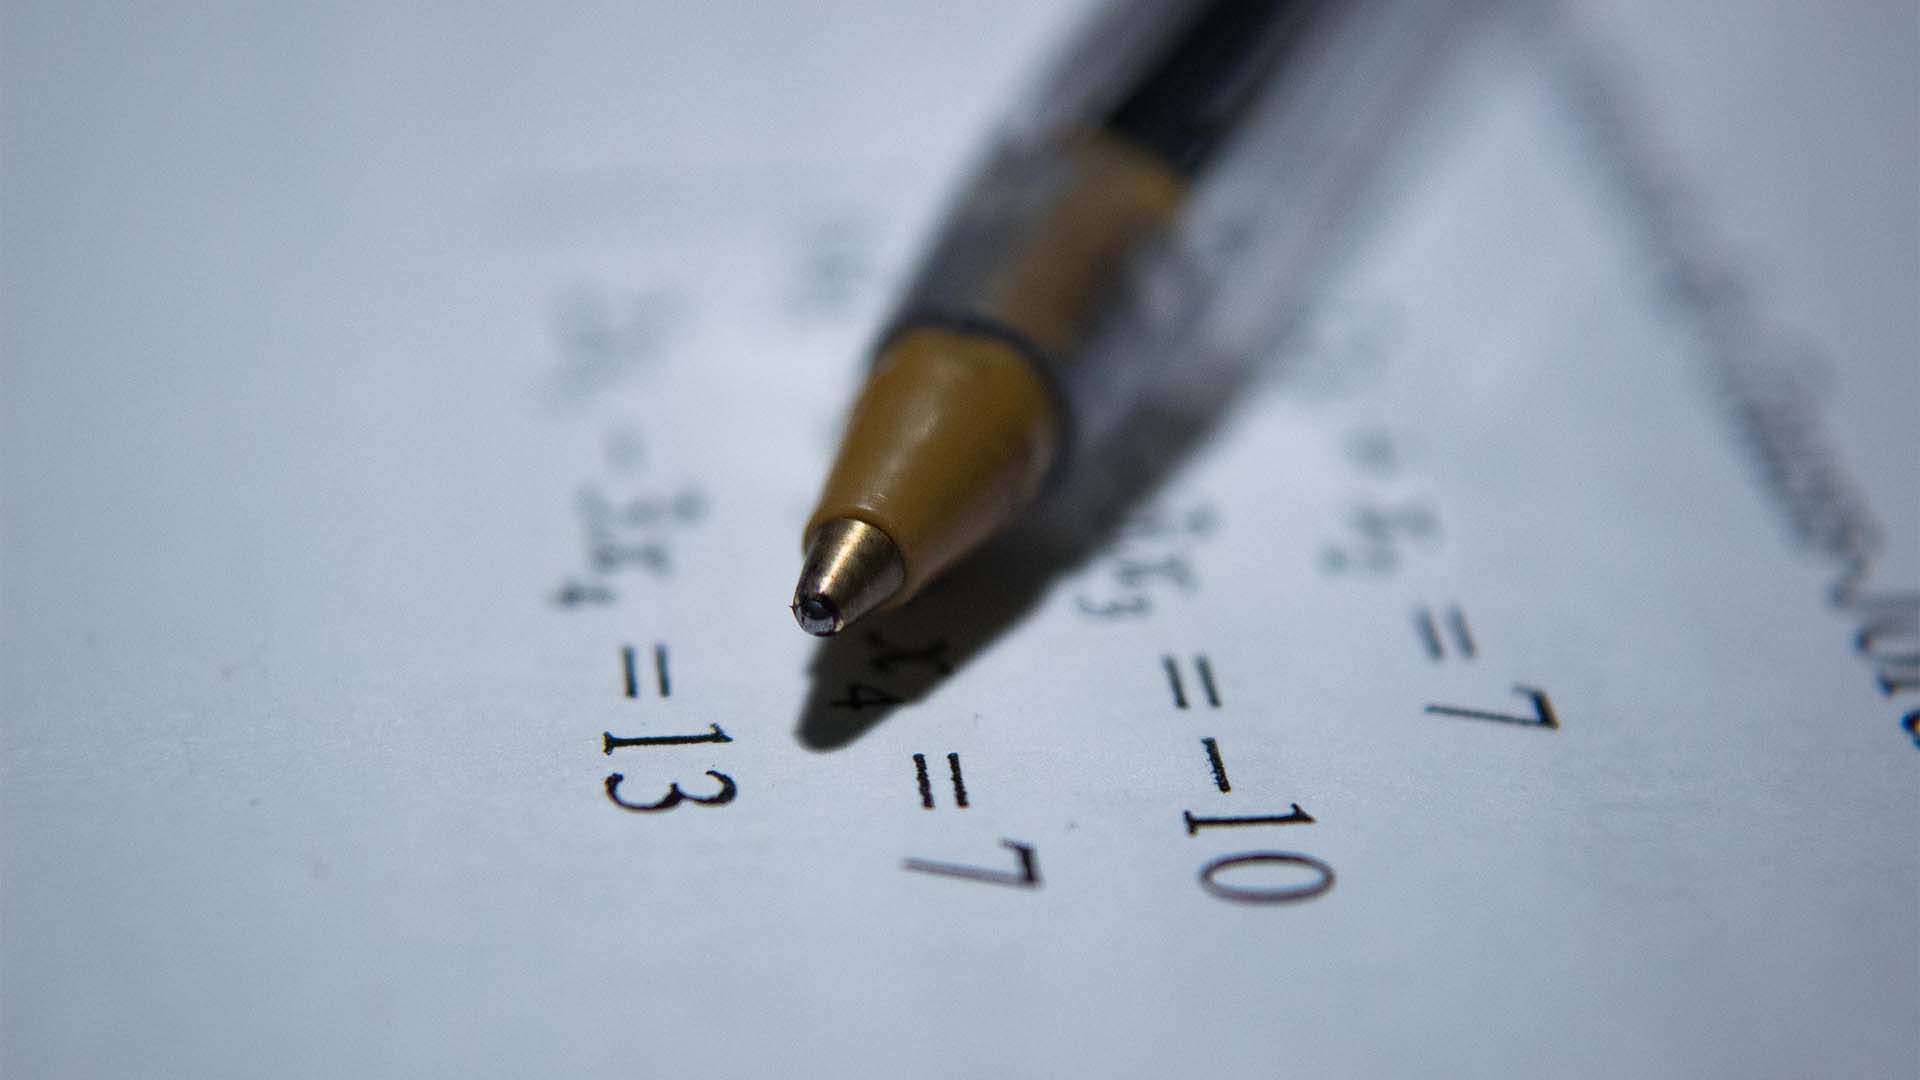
{"points": [[899, 658]]}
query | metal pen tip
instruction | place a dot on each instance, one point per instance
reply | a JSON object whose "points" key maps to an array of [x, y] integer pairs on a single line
{"points": [[817, 615], [851, 569]]}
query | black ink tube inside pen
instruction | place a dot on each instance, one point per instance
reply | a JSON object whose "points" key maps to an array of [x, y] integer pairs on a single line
{"points": [[980, 376]]}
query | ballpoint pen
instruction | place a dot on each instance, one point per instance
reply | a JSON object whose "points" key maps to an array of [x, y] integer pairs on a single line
{"points": [[988, 375]]}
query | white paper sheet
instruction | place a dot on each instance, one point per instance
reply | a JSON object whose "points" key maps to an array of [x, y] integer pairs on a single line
{"points": [[399, 402]]}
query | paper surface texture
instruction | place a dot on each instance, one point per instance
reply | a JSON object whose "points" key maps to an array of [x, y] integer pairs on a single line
{"points": [[409, 413]]}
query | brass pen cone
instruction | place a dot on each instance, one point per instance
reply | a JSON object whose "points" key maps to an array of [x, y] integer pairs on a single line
{"points": [[851, 569]]}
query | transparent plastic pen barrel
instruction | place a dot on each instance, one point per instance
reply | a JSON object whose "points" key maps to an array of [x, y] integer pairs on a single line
{"points": [[1126, 224]]}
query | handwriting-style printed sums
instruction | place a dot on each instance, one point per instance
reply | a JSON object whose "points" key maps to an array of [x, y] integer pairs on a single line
{"points": [[609, 742], [604, 515], [1219, 767], [926, 784], [1153, 552], [859, 695], [1136, 577], [1112, 609], [1320, 882], [573, 594], [1135, 573], [626, 534], [1383, 532], [610, 557], [1209, 876], [1543, 715], [1393, 523], [674, 796], [1428, 630], [1203, 668], [636, 532], [887, 656], [1027, 876]]}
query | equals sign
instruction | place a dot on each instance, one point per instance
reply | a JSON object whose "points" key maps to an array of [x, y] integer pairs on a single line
{"points": [[630, 675], [1428, 628], [1201, 668]]}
